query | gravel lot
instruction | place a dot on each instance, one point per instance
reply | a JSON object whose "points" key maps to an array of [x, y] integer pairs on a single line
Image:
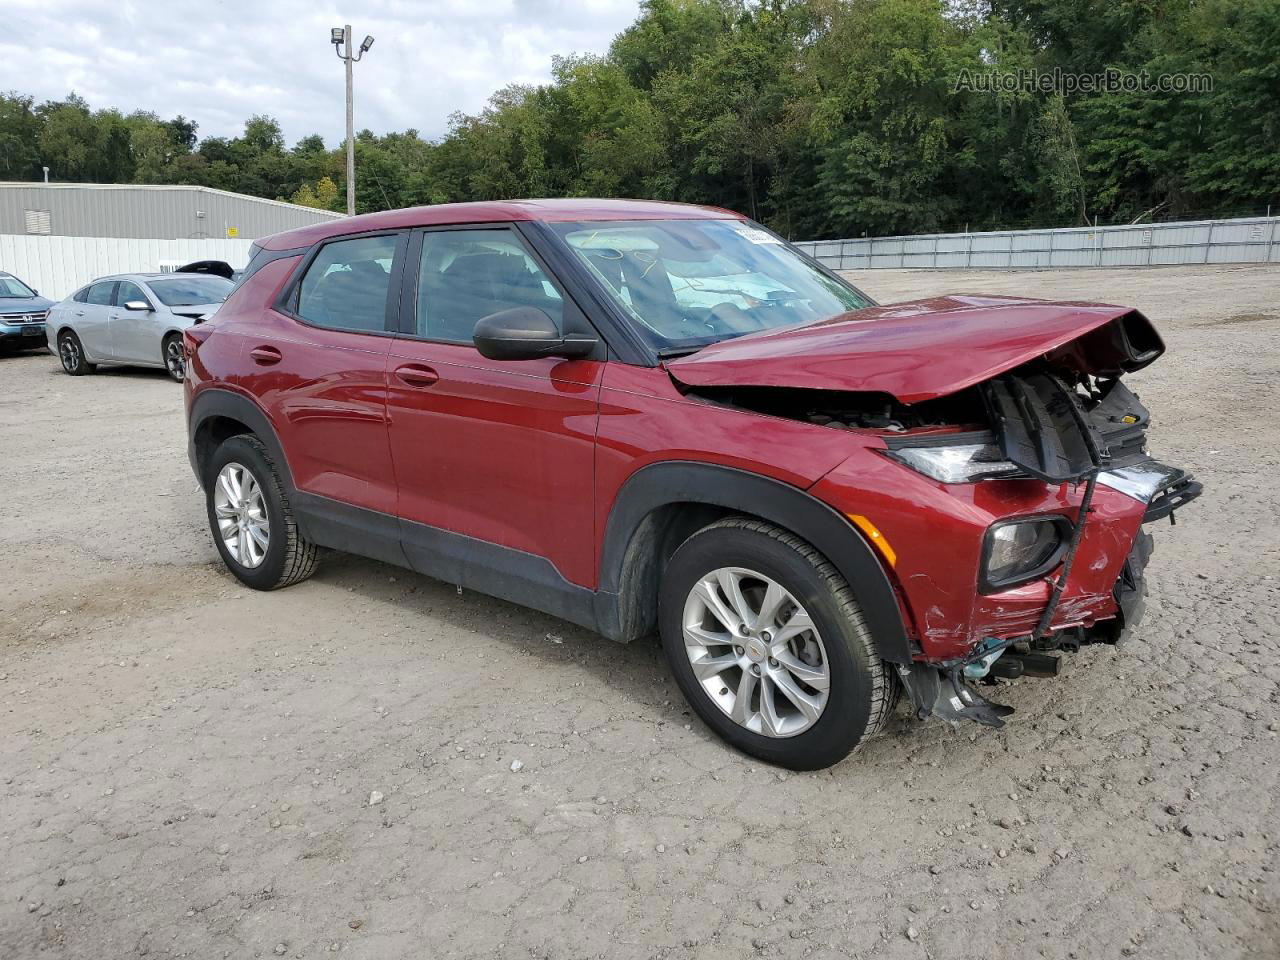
{"points": [[189, 768]]}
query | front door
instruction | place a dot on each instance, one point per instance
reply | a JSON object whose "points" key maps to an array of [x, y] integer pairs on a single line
{"points": [[498, 451], [134, 333]]}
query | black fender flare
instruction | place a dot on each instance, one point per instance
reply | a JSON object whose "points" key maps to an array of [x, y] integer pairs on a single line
{"points": [[687, 482], [214, 402]]}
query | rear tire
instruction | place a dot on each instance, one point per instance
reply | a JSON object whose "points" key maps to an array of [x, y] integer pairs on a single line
{"points": [[802, 698], [71, 353], [171, 354], [251, 518]]}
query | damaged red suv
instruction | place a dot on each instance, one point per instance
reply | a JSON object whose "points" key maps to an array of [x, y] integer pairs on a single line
{"points": [[647, 417]]}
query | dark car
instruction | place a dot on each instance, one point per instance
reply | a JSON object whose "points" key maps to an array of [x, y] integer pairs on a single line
{"points": [[22, 314], [648, 417]]}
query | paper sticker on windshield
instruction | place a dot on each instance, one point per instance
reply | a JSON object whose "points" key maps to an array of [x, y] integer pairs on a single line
{"points": [[753, 234]]}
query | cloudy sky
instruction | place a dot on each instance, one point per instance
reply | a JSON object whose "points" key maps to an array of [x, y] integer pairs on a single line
{"points": [[220, 61]]}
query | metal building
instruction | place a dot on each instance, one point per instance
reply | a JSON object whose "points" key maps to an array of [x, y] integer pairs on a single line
{"points": [[130, 211]]}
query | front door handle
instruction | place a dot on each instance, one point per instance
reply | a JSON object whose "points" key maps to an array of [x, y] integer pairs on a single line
{"points": [[265, 356], [417, 375]]}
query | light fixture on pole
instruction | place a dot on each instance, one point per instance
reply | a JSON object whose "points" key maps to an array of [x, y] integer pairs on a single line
{"points": [[340, 37]]}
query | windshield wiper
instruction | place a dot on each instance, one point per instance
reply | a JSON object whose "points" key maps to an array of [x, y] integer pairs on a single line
{"points": [[671, 353]]}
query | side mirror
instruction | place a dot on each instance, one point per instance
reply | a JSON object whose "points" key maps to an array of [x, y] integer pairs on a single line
{"points": [[140, 306], [527, 333]]}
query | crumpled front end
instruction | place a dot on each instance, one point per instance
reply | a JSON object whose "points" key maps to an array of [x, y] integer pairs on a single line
{"points": [[1019, 531]]}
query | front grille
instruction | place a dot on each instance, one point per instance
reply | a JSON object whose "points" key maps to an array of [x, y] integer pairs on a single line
{"points": [[23, 318]]}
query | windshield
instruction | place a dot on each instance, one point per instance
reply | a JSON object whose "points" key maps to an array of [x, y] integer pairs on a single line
{"points": [[13, 287], [688, 283], [186, 291]]}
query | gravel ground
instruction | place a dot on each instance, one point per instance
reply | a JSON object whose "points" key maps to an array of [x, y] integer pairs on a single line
{"points": [[189, 768]]}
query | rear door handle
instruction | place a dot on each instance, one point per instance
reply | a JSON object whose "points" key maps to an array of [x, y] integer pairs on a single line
{"points": [[265, 355], [417, 375]]}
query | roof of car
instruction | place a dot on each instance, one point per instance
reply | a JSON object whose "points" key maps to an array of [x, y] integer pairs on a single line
{"points": [[497, 211], [155, 275]]}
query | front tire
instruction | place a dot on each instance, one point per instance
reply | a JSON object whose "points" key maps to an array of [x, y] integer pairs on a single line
{"points": [[71, 353], [769, 646], [251, 518]]}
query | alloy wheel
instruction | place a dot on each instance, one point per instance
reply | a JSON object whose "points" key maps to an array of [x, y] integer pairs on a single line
{"points": [[756, 652], [173, 360], [241, 512], [69, 352]]}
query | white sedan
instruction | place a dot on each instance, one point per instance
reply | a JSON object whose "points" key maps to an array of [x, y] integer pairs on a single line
{"points": [[135, 319]]}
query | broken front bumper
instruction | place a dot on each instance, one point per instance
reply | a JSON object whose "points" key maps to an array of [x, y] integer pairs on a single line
{"points": [[943, 689]]}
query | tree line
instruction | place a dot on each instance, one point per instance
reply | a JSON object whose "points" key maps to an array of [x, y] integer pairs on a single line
{"points": [[821, 118]]}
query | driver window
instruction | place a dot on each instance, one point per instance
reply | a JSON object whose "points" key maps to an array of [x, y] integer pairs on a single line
{"points": [[127, 291], [465, 275]]}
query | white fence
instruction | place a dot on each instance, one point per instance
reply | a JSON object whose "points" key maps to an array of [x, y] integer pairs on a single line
{"points": [[57, 266], [1251, 240]]}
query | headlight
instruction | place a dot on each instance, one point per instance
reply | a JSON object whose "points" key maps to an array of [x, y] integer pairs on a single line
{"points": [[1017, 551], [956, 462]]}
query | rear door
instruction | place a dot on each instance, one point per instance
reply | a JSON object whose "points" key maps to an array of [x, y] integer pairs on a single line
{"points": [[91, 320], [317, 364], [134, 334], [498, 451]]}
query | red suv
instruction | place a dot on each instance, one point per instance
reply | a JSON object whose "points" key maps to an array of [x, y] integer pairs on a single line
{"points": [[649, 417]]}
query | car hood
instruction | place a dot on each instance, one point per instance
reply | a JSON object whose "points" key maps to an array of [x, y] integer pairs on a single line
{"points": [[12, 305], [923, 349]]}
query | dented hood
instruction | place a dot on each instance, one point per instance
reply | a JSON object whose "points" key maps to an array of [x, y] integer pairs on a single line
{"points": [[923, 349]]}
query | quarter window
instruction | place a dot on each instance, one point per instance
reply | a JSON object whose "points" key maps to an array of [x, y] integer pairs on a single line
{"points": [[346, 286], [465, 275], [100, 294]]}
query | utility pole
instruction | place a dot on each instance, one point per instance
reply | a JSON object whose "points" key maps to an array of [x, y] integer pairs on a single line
{"points": [[340, 37]]}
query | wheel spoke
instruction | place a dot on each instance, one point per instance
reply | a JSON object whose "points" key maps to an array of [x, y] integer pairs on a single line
{"points": [[229, 487], [700, 637], [774, 598], [815, 677], [769, 709], [742, 712], [796, 624], [708, 592], [258, 534], [809, 706], [709, 667], [731, 586]]}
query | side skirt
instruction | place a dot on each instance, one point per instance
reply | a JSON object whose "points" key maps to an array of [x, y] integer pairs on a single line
{"points": [[488, 568]]}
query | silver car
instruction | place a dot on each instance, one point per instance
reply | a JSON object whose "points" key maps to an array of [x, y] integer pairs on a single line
{"points": [[135, 319]]}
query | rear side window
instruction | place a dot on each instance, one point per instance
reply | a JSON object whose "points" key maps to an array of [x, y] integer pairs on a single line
{"points": [[347, 284], [465, 275], [100, 294]]}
